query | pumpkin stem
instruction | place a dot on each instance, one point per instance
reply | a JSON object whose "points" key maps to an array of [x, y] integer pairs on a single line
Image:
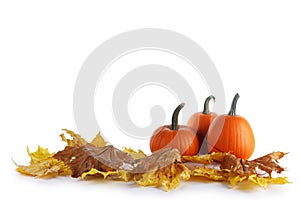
{"points": [[206, 104], [233, 105], [174, 125]]}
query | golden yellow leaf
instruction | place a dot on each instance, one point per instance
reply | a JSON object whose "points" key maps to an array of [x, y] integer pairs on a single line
{"points": [[264, 181], [205, 159], [99, 141], [94, 171], [234, 179], [168, 177], [39, 155], [209, 173], [42, 164], [134, 154], [76, 140]]}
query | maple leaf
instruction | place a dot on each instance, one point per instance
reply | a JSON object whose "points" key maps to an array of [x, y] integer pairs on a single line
{"points": [[168, 177], [42, 164], [84, 158], [205, 159], [231, 169], [94, 171], [163, 168], [108, 158], [134, 154], [98, 141], [76, 140], [267, 163], [158, 169]]}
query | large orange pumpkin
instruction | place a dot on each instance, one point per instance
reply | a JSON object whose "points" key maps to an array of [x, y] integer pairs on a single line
{"points": [[184, 138], [201, 121], [231, 133]]}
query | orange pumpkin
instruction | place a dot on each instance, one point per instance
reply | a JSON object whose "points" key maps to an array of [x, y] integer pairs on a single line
{"points": [[231, 133], [200, 122], [183, 138]]}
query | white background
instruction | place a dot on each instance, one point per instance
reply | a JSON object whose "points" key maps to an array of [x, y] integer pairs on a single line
{"points": [[254, 45]]}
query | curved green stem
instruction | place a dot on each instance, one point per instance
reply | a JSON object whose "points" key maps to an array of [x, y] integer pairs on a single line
{"points": [[206, 104], [174, 125], [233, 105]]}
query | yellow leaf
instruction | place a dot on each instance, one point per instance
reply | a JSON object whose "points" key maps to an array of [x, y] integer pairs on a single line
{"points": [[209, 173], [168, 177], [42, 164], [134, 154], [49, 167], [258, 180], [205, 159], [164, 168], [76, 140], [40, 154], [233, 180], [94, 171], [264, 181], [98, 141]]}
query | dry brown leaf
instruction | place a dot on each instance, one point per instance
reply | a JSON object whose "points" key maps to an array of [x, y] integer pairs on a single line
{"points": [[156, 161], [83, 159], [234, 170], [162, 168], [267, 163], [159, 169], [108, 158]]}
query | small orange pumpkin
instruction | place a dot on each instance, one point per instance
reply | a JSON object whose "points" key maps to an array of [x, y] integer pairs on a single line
{"points": [[182, 137], [231, 133], [200, 122]]}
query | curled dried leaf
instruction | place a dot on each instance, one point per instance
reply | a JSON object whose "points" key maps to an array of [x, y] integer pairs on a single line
{"points": [[158, 160], [83, 159], [234, 170], [108, 158], [159, 169], [267, 163], [164, 168]]}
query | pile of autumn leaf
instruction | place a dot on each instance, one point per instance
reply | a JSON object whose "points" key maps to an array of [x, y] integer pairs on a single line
{"points": [[164, 168]]}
